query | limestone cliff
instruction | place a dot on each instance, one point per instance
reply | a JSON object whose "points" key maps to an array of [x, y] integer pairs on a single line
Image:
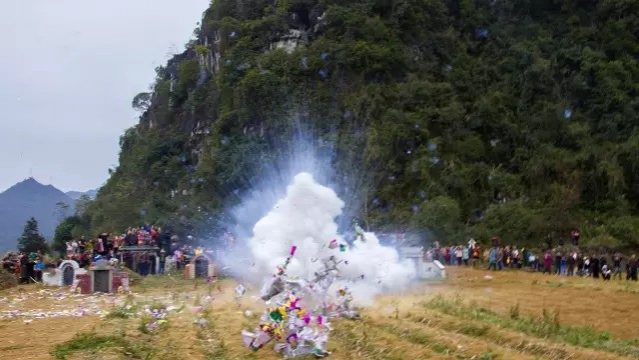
{"points": [[510, 117]]}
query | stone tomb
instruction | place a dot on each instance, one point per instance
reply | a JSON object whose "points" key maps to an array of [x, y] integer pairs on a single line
{"points": [[63, 275], [431, 270], [102, 277], [201, 266]]}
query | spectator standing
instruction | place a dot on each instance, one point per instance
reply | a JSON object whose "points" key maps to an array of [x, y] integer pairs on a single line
{"points": [[501, 258], [82, 245], [574, 237], [458, 255], [24, 271], [616, 265], [39, 267], [594, 265], [570, 263], [162, 260], [547, 262], [605, 272], [492, 259], [465, 255], [633, 264]]}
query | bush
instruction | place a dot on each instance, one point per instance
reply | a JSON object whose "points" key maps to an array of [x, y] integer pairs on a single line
{"points": [[7, 280]]}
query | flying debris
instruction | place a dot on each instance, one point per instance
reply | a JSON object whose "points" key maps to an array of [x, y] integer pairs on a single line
{"points": [[567, 113], [299, 328]]}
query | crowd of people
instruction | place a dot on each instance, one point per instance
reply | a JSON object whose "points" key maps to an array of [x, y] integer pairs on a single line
{"points": [[161, 245], [27, 267], [560, 260], [108, 246], [166, 247]]}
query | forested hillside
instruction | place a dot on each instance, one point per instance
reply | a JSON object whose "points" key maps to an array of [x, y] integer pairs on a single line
{"points": [[515, 118]]}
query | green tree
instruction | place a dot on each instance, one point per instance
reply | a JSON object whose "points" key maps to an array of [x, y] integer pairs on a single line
{"points": [[511, 118], [62, 210], [441, 216], [141, 101], [31, 240], [64, 233], [82, 204]]}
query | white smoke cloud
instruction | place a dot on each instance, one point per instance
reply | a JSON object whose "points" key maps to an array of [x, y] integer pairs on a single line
{"points": [[306, 218]]}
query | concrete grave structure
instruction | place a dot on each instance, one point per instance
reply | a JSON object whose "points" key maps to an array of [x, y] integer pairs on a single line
{"points": [[431, 270], [101, 277], [201, 266], [132, 256], [63, 275]]}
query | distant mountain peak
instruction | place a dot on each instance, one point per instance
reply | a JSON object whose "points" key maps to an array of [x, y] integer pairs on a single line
{"points": [[26, 199], [76, 195], [30, 185], [28, 181]]}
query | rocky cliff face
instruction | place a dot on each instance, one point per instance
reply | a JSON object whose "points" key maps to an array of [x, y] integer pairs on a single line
{"points": [[514, 117]]}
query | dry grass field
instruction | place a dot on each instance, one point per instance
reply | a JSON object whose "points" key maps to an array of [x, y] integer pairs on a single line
{"points": [[474, 314]]}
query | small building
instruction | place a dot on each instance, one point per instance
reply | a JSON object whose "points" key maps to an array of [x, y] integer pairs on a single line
{"points": [[134, 256], [103, 278], [424, 269], [201, 266], [63, 275]]}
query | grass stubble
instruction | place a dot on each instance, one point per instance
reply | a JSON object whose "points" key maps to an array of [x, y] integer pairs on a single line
{"points": [[456, 319]]}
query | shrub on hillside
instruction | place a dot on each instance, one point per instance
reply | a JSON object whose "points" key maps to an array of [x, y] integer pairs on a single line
{"points": [[7, 280]]}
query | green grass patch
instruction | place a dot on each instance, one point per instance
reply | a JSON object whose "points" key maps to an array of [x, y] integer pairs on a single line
{"points": [[474, 331], [487, 356], [554, 284], [442, 349], [122, 312], [415, 336], [513, 312], [547, 326], [87, 342], [94, 343]]}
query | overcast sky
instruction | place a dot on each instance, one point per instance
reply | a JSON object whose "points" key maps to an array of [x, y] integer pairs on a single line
{"points": [[68, 72]]}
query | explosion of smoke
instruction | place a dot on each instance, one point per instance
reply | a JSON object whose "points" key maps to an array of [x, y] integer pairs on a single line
{"points": [[288, 206], [305, 218]]}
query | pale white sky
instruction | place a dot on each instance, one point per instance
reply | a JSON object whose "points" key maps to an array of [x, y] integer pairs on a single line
{"points": [[68, 72]]}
